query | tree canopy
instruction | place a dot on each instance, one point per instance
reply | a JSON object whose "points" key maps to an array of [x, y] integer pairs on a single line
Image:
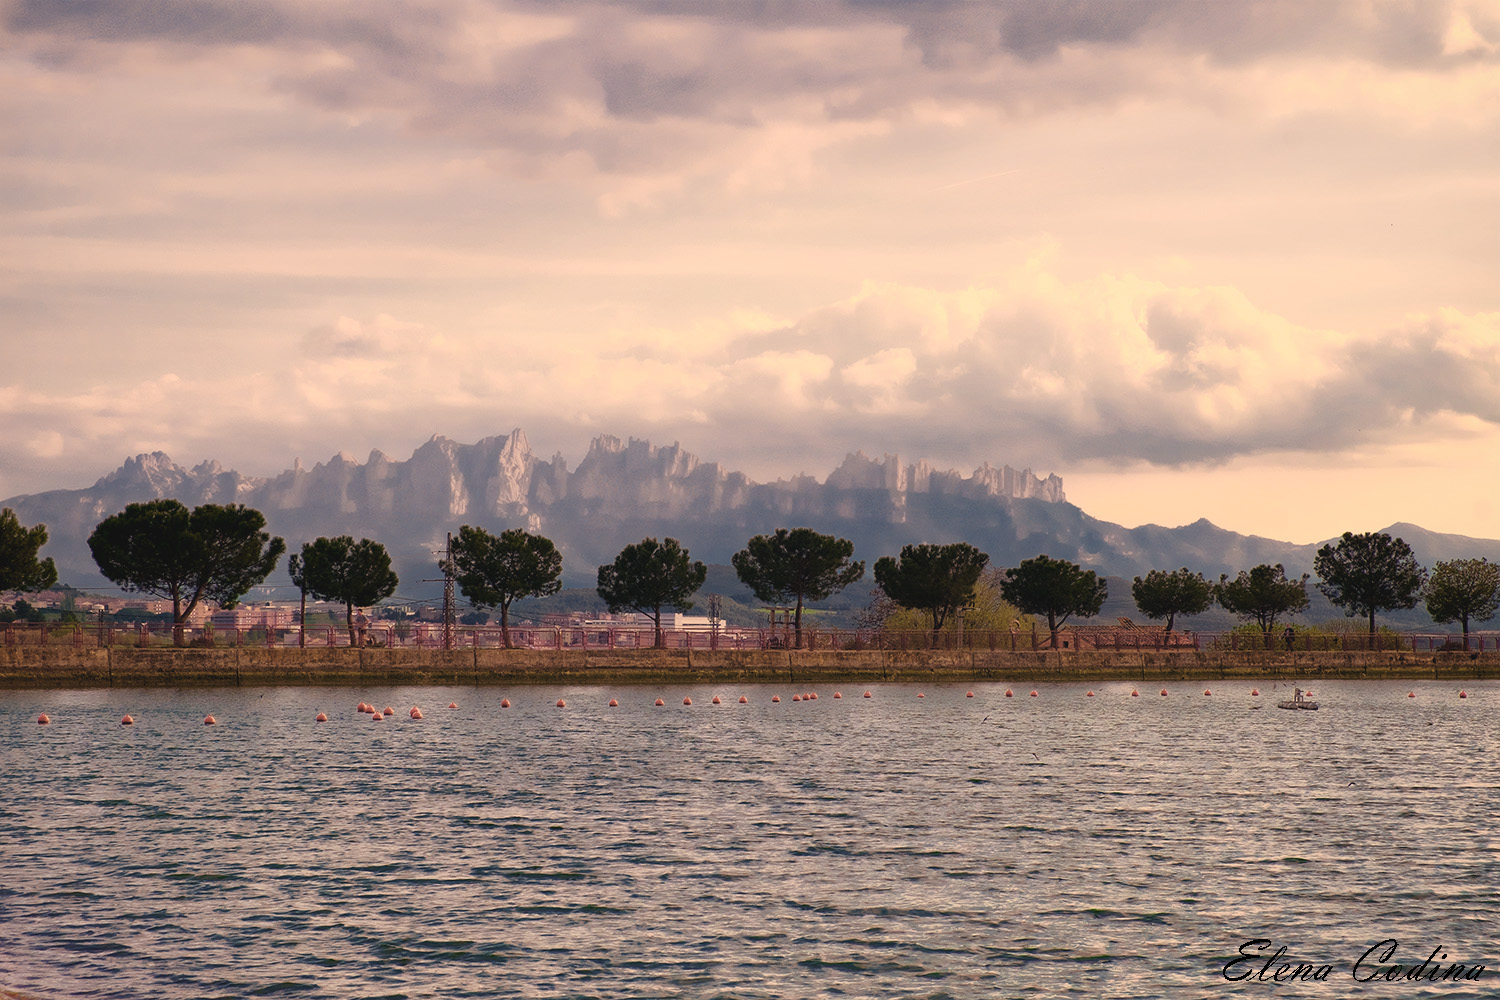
{"points": [[1163, 594], [1463, 589], [796, 565], [1056, 589], [493, 571], [215, 552], [937, 579], [648, 576], [1262, 595], [20, 569], [1367, 573], [356, 574]]}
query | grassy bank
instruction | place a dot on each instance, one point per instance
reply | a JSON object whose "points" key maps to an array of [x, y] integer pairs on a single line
{"points": [[34, 667]]}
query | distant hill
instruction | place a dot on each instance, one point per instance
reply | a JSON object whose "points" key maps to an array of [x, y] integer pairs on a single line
{"points": [[623, 491]]}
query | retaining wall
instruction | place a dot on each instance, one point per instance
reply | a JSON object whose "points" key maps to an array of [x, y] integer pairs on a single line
{"points": [[66, 667]]}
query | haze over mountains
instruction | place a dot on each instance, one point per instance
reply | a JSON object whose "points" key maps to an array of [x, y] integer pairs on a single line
{"points": [[623, 491]]}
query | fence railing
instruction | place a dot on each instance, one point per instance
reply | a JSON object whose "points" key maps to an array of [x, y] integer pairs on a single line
{"points": [[425, 635]]}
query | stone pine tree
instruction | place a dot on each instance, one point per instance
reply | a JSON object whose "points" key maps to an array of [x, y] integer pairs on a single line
{"points": [[354, 574], [1162, 594], [215, 552], [1367, 573], [1463, 589], [1055, 589], [20, 569], [797, 565], [492, 571], [937, 579], [648, 576], [1262, 595]]}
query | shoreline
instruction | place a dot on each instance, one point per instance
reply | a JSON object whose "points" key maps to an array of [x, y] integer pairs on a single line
{"points": [[33, 667]]}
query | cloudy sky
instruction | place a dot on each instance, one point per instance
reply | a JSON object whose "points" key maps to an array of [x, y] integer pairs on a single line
{"points": [[1229, 260]]}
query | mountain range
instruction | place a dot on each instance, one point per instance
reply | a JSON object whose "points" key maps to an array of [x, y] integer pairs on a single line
{"points": [[623, 491]]}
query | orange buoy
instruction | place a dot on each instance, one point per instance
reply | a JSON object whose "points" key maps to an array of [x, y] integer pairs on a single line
{"points": [[744, 700], [1163, 692], [1207, 693], [1033, 694], [389, 710], [127, 721], [867, 694], [561, 703], [1411, 694], [1134, 693], [1255, 692], [838, 694], [209, 720], [687, 701], [659, 702], [969, 695], [377, 716], [454, 704], [42, 720], [814, 696], [1091, 694], [1463, 694], [362, 707], [717, 701], [798, 697], [504, 703], [415, 713], [776, 699], [1009, 693], [322, 717], [921, 695], [614, 703]]}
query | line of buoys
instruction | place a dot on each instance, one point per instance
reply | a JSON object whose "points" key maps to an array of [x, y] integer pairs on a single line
{"points": [[209, 720], [42, 720], [744, 700], [127, 721], [322, 717], [415, 713], [614, 703]]}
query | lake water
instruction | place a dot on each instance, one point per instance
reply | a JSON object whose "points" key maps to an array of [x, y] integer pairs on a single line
{"points": [[895, 846]]}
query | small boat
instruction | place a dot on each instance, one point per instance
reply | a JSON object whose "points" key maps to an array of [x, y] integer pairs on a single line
{"points": [[1297, 701]]}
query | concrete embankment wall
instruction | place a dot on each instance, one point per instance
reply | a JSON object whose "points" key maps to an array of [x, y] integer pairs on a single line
{"points": [[44, 667]]}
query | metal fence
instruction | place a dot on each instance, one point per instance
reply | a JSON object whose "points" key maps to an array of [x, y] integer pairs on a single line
{"points": [[424, 635]]}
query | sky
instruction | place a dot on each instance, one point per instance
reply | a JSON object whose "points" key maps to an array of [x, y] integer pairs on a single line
{"points": [[1230, 260]]}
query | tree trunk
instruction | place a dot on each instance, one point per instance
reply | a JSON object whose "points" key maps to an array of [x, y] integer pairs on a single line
{"points": [[349, 621], [505, 623], [660, 641], [798, 628], [302, 622]]}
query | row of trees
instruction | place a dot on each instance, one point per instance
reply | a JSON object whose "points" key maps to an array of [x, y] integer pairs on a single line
{"points": [[218, 552], [1362, 574]]}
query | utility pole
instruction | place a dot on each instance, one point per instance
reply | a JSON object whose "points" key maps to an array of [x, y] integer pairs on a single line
{"points": [[448, 595]]}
